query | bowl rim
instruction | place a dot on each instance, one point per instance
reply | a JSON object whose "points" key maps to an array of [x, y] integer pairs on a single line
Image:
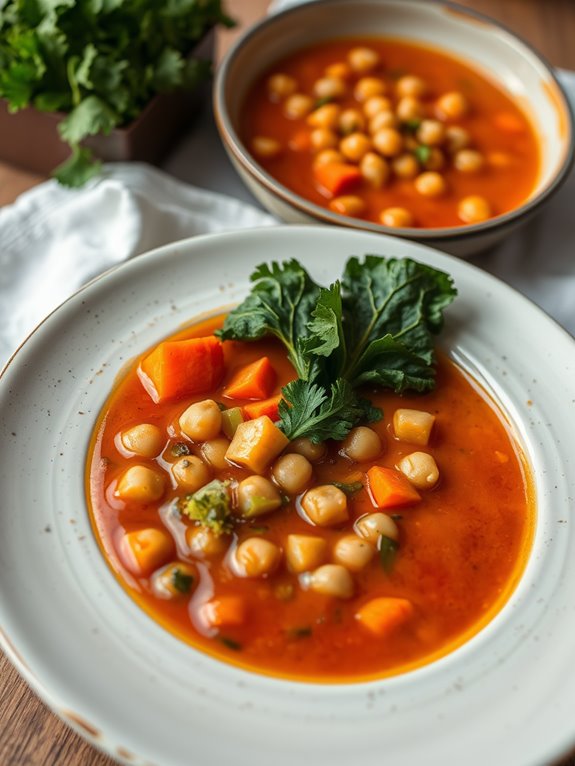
{"points": [[236, 146]]}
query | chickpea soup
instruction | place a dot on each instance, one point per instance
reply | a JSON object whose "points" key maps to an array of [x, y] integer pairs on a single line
{"points": [[391, 132], [319, 528]]}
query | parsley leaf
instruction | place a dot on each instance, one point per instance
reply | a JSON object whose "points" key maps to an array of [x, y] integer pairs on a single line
{"points": [[422, 153], [388, 549]]}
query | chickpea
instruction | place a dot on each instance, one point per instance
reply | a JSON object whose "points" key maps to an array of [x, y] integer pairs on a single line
{"points": [[388, 142], [281, 86], [331, 580], [350, 121], [374, 169], [368, 87], [340, 70], [304, 552], [396, 217], [329, 87], [348, 204], [411, 85], [355, 146], [456, 138], [298, 106], [292, 472], [326, 116], [256, 496], [257, 557], [361, 443], [325, 505], [362, 59], [174, 580], [452, 106], [408, 109], [474, 209], [322, 138], [375, 105], [405, 166], [144, 439], [431, 133], [204, 543], [214, 452], [373, 525], [265, 147], [190, 473], [468, 161], [202, 421], [353, 552], [140, 484], [382, 120], [435, 160], [430, 184], [307, 448], [328, 155], [421, 469]]}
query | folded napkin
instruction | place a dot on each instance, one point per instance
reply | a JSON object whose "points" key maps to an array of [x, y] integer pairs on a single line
{"points": [[53, 240]]}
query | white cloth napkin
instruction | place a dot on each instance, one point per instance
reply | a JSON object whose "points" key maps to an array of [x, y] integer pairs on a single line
{"points": [[53, 240]]}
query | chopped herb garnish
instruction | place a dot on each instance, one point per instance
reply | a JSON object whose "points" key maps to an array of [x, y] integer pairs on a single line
{"points": [[180, 448], [302, 632], [323, 101], [182, 582], [258, 530], [422, 153], [210, 506], [374, 328], [387, 552], [349, 489], [231, 643], [222, 406], [411, 125], [396, 516]]}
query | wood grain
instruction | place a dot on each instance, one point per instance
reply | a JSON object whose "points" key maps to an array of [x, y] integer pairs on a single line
{"points": [[30, 735]]}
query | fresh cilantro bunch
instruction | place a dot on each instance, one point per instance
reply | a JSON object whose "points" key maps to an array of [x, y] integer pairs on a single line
{"points": [[99, 61], [374, 328]]}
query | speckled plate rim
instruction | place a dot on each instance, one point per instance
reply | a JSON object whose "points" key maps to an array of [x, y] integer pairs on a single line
{"points": [[143, 696]]}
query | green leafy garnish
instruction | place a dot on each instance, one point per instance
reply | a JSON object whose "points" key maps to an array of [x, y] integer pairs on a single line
{"points": [[411, 125], [98, 61], [387, 552], [374, 328], [300, 632], [231, 643], [182, 582], [422, 153], [350, 489], [180, 448], [323, 101], [210, 506]]}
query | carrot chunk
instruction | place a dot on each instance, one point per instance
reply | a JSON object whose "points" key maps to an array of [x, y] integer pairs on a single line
{"points": [[256, 381], [389, 488], [509, 123], [269, 407], [382, 616], [144, 550], [224, 611], [181, 368], [336, 177]]}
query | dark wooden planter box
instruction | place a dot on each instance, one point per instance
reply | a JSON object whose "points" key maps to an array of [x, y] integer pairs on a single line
{"points": [[30, 140]]}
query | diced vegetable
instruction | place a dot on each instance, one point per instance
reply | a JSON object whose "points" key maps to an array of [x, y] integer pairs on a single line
{"points": [[390, 489], [413, 426], [256, 443], [267, 407], [305, 552], [224, 611], [382, 616], [256, 381], [141, 484], [211, 506], [181, 368], [230, 421], [336, 177], [144, 550]]}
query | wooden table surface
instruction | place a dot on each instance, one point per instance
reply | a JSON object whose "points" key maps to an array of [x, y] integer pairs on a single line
{"points": [[29, 734]]}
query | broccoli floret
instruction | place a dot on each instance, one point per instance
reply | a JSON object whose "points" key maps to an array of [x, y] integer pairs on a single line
{"points": [[211, 506]]}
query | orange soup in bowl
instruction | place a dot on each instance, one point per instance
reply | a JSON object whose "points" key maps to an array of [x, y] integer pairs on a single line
{"points": [[392, 132]]}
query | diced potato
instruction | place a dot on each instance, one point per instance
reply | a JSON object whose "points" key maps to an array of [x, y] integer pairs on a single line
{"points": [[256, 443], [382, 616], [413, 426], [144, 550], [141, 484], [305, 552], [421, 469]]}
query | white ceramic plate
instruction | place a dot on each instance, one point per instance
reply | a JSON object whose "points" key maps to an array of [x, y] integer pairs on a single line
{"points": [[506, 697]]}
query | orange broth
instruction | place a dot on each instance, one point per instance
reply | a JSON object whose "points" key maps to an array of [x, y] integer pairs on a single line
{"points": [[462, 548], [498, 128]]}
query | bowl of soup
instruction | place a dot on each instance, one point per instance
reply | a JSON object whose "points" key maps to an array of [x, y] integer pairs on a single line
{"points": [[423, 120]]}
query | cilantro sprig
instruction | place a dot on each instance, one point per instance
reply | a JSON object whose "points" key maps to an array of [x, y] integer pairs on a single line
{"points": [[375, 327], [98, 61]]}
